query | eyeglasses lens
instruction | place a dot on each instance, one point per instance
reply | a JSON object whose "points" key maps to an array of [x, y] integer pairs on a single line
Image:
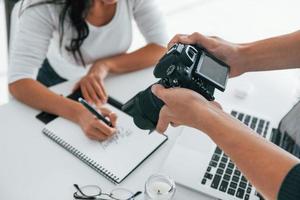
{"points": [[91, 190], [121, 194]]}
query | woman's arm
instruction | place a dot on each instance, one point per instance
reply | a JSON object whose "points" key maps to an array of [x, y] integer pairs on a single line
{"points": [[38, 96], [144, 57], [263, 163], [92, 85]]}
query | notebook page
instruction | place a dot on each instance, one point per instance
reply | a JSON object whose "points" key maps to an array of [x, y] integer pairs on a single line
{"points": [[119, 154]]}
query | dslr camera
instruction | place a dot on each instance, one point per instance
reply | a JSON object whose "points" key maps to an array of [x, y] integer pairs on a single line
{"points": [[185, 66]]}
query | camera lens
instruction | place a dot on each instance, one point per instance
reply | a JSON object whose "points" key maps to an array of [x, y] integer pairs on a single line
{"points": [[144, 108]]}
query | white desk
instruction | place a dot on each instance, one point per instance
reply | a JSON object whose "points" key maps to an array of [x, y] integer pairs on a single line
{"points": [[33, 167]]}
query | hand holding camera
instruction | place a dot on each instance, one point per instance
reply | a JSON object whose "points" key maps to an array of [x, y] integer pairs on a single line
{"points": [[233, 54], [186, 66]]}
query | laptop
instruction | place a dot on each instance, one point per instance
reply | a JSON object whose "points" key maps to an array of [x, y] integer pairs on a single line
{"points": [[197, 163]]}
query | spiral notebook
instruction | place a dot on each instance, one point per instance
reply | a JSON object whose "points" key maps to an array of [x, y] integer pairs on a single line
{"points": [[114, 158]]}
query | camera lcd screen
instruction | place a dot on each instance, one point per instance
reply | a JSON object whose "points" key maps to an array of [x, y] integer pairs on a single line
{"points": [[213, 71]]}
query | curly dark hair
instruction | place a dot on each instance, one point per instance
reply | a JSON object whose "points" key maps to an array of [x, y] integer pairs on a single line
{"points": [[77, 11]]}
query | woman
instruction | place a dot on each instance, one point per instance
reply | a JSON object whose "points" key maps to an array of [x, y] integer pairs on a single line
{"points": [[80, 38], [273, 171]]}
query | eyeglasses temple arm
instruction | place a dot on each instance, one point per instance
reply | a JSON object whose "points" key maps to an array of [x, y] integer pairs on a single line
{"points": [[135, 195], [79, 190]]}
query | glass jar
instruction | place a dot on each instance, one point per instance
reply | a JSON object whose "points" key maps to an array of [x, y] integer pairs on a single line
{"points": [[159, 187]]}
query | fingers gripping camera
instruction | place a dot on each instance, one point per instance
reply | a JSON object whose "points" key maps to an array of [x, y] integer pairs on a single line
{"points": [[185, 66]]}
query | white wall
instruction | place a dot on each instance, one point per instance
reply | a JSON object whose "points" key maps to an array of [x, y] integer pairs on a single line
{"points": [[254, 19]]}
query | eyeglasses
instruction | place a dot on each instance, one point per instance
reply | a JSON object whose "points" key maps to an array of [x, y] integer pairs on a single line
{"points": [[94, 192]]}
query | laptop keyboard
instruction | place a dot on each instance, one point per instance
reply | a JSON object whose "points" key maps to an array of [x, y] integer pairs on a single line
{"points": [[222, 174]]}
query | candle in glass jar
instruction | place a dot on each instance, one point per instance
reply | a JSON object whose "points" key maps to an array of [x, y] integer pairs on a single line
{"points": [[159, 187]]}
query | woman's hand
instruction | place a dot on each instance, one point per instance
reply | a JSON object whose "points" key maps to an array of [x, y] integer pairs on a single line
{"points": [[228, 52], [184, 107], [92, 85], [94, 128]]}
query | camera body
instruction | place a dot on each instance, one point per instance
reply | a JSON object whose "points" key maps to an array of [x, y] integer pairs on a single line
{"points": [[185, 66]]}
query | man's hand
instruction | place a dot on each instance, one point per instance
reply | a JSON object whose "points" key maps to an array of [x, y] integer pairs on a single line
{"points": [[92, 85], [225, 51], [183, 107]]}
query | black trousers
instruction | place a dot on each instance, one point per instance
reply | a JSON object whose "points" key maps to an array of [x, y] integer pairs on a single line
{"points": [[47, 76]]}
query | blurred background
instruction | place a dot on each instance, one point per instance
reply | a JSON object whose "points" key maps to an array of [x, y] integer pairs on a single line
{"points": [[234, 20]]}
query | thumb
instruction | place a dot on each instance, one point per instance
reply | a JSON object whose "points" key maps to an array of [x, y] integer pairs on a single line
{"points": [[202, 40], [159, 91], [163, 122]]}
